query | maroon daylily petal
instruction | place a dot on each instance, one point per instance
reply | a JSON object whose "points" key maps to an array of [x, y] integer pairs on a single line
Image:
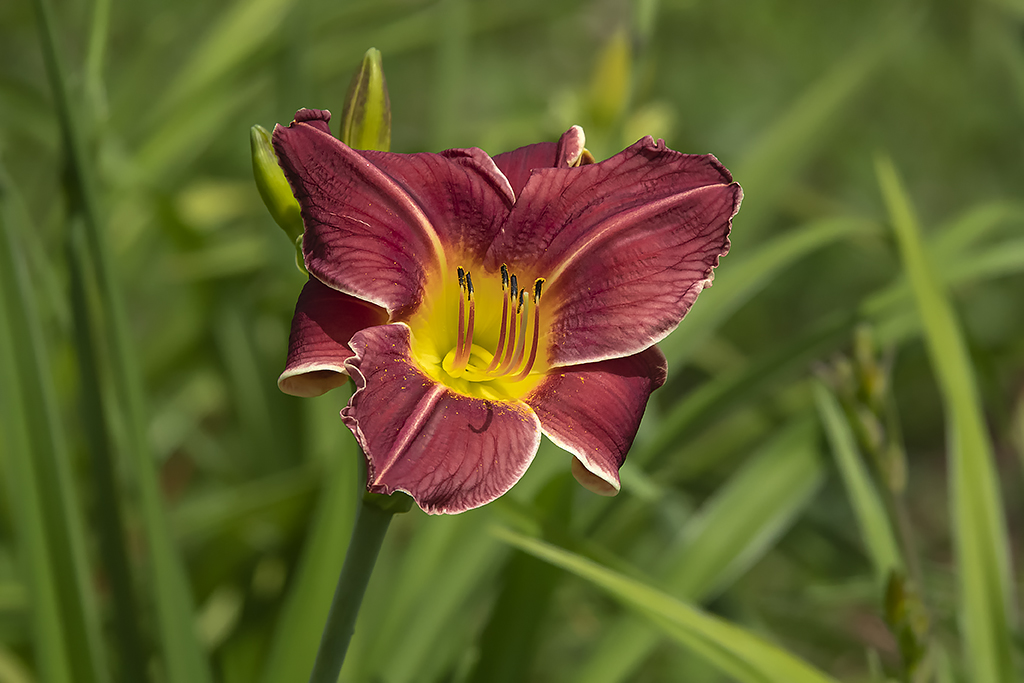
{"points": [[324, 322], [594, 410], [377, 223], [626, 245], [448, 451], [519, 163]]}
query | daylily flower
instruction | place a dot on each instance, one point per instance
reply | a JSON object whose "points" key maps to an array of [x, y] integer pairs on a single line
{"points": [[478, 302]]}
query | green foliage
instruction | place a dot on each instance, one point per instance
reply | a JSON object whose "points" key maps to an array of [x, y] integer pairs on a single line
{"points": [[167, 515], [976, 505]]}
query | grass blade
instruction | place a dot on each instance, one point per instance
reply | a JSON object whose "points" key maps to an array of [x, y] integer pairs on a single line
{"points": [[297, 633], [54, 475], [743, 384], [791, 141], [240, 30], [508, 643], [726, 536], [37, 564], [860, 488], [182, 656], [979, 529], [740, 280], [471, 562], [735, 651]]}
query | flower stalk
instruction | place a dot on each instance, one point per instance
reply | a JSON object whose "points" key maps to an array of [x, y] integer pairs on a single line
{"points": [[371, 525]]}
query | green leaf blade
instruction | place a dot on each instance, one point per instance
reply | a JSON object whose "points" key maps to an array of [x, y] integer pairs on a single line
{"points": [[730, 532], [867, 505], [979, 529], [736, 651]]}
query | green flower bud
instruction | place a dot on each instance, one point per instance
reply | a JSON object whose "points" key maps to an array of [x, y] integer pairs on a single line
{"points": [[271, 183], [612, 83], [366, 118]]}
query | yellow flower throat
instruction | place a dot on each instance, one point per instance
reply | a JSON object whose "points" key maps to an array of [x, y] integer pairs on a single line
{"points": [[483, 339]]}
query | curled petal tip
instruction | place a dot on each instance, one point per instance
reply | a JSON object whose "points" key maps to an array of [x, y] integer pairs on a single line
{"points": [[571, 147], [307, 115], [592, 482], [308, 383], [272, 184], [366, 119], [316, 118]]}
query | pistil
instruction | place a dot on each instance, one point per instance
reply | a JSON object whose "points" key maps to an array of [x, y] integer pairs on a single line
{"points": [[504, 319]]}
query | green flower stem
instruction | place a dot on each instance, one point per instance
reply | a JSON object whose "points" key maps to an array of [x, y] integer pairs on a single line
{"points": [[371, 524]]}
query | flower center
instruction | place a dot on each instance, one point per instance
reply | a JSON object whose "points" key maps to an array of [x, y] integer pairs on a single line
{"points": [[482, 342]]}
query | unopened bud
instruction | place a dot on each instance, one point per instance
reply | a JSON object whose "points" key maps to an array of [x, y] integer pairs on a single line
{"points": [[366, 118], [272, 184], [612, 82]]}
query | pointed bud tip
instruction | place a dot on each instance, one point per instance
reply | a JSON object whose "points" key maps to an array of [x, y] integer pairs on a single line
{"points": [[366, 118]]}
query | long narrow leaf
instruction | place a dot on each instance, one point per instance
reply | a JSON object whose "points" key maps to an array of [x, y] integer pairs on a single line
{"points": [[509, 642], [979, 529], [95, 405], [37, 564], [50, 454], [728, 534], [790, 141], [297, 634], [239, 31], [470, 562], [743, 384], [741, 277], [734, 650], [182, 656], [860, 489]]}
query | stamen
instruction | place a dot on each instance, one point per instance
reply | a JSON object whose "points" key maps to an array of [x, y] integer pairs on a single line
{"points": [[465, 345], [511, 349], [504, 320], [462, 315], [537, 286], [524, 311], [514, 293]]}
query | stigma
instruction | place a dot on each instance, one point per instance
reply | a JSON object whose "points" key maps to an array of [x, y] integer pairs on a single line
{"points": [[515, 352]]}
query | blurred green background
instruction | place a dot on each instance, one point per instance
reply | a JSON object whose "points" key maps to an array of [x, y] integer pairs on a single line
{"points": [[847, 399]]}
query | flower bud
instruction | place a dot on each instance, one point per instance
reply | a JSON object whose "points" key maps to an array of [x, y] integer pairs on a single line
{"points": [[366, 118], [612, 82], [271, 183]]}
